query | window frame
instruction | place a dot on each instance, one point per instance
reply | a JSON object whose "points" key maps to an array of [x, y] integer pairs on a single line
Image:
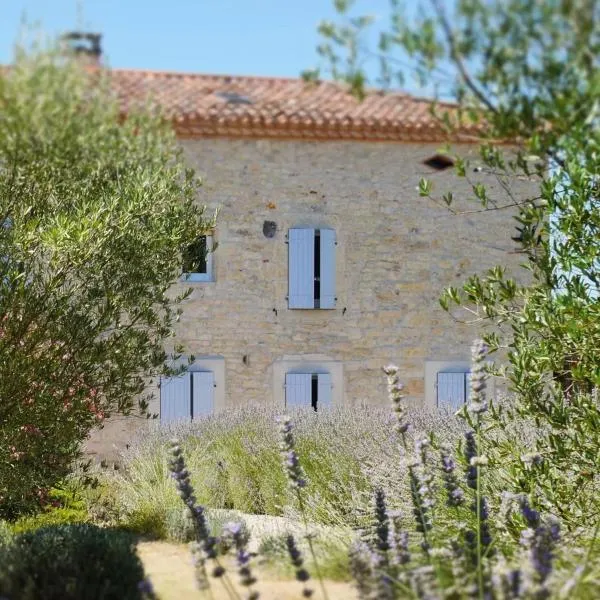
{"points": [[208, 276]]}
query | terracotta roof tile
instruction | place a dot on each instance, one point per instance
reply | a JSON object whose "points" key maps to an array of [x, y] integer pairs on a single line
{"points": [[261, 107]]}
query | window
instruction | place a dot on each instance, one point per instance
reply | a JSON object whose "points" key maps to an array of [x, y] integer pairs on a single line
{"points": [[197, 259], [187, 396], [311, 268], [308, 390], [452, 389], [446, 383]]}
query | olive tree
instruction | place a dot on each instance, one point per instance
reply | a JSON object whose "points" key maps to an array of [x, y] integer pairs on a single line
{"points": [[96, 208], [527, 74]]}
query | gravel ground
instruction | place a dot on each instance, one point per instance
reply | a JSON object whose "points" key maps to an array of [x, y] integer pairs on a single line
{"points": [[170, 569]]}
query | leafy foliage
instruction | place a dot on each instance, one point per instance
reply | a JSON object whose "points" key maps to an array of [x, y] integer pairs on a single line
{"points": [[95, 211], [71, 562], [526, 72]]}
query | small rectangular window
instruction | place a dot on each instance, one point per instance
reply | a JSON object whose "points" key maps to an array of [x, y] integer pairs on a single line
{"points": [[197, 259], [452, 390], [308, 390], [187, 396]]}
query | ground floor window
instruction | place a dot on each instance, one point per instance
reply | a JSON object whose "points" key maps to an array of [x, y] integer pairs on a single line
{"points": [[188, 396], [446, 383], [308, 390], [452, 389]]}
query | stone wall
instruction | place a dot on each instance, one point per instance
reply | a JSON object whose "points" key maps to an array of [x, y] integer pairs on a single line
{"points": [[396, 252]]}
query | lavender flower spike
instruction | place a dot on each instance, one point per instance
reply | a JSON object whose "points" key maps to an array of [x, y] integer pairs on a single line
{"points": [[298, 562], [239, 537], [477, 396], [206, 544], [396, 397], [454, 494], [291, 463], [382, 522]]}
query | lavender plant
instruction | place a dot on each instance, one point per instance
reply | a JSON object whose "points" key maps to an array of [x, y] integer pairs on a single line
{"points": [[297, 480], [205, 547], [469, 549], [298, 562]]}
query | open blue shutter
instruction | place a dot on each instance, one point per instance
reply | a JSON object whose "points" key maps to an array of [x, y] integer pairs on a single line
{"points": [[174, 398], [204, 393], [298, 389], [301, 267], [451, 390], [327, 299], [325, 385]]}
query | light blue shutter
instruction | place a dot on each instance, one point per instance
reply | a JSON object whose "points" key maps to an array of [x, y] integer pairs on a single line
{"points": [[327, 278], [301, 266], [174, 398], [204, 393], [450, 390], [298, 389], [325, 385]]}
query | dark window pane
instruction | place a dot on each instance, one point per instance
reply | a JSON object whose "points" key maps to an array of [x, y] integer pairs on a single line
{"points": [[194, 256]]}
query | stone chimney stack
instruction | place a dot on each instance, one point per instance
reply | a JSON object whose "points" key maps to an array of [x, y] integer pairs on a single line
{"points": [[86, 46]]}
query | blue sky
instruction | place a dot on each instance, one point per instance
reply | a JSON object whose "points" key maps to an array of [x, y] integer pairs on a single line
{"points": [[246, 37]]}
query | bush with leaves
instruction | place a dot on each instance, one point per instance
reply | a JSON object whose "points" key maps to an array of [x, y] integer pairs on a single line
{"points": [[526, 72], [71, 562], [95, 211]]}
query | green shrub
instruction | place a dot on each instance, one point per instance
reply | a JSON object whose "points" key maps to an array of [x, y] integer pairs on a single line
{"points": [[71, 562], [6, 534], [53, 516], [65, 507]]}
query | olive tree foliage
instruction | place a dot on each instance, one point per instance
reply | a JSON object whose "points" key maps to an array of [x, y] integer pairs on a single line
{"points": [[527, 73], [95, 211]]}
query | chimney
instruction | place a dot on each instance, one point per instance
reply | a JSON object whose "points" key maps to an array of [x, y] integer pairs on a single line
{"points": [[86, 46]]}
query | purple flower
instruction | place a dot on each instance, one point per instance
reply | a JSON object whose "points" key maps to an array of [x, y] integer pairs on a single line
{"points": [[454, 494], [291, 463], [470, 452], [298, 562], [531, 516], [146, 589], [206, 543], [400, 541], [238, 534], [382, 522]]}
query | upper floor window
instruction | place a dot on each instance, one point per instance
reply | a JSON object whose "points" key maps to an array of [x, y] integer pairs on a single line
{"points": [[186, 396], [308, 390], [311, 268], [198, 259]]}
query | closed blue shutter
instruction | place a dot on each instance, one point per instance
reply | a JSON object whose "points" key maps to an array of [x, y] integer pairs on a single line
{"points": [[301, 267], [298, 389], [325, 385], [174, 398], [451, 390], [327, 278], [204, 393]]}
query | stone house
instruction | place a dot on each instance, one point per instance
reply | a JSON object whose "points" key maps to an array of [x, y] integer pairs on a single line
{"points": [[328, 262]]}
